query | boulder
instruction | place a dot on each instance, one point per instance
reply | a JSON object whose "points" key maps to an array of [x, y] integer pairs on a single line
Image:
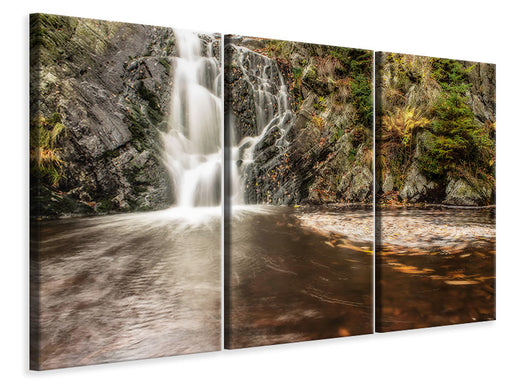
{"points": [[388, 184], [416, 187], [461, 192]]}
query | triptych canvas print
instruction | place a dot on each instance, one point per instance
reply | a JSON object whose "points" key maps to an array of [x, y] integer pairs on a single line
{"points": [[193, 191]]}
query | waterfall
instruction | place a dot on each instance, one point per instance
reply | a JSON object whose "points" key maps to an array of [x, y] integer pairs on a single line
{"points": [[193, 149], [270, 93]]}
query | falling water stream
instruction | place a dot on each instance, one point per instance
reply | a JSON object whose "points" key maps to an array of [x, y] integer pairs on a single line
{"points": [[193, 151], [270, 94]]}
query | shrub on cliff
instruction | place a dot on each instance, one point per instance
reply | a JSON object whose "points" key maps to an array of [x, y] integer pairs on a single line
{"points": [[45, 160], [460, 144]]}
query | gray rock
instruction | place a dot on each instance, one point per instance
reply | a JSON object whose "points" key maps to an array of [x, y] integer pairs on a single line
{"points": [[416, 187], [356, 184], [482, 96], [461, 192], [388, 184], [111, 89]]}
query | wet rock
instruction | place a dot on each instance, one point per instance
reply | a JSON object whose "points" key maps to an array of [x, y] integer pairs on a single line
{"points": [[48, 203]]}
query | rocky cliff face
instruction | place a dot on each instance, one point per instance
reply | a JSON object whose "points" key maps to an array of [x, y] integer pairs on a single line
{"points": [[109, 85], [410, 137], [316, 146]]}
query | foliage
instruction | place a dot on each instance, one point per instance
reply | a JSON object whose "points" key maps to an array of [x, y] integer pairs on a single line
{"points": [[362, 99], [318, 122], [428, 119], [408, 70], [459, 141], [353, 61], [320, 106], [402, 124], [451, 75], [276, 48], [45, 157], [355, 66], [297, 73]]}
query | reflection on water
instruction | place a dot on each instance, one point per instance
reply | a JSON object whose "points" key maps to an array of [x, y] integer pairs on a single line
{"points": [[129, 286], [287, 282], [434, 267]]}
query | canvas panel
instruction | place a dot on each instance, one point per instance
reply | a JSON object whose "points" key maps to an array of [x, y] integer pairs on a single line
{"points": [[299, 184], [125, 146], [435, 191]]}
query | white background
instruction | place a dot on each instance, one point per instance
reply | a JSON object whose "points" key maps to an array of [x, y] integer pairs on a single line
{"points": [[471, 30]]}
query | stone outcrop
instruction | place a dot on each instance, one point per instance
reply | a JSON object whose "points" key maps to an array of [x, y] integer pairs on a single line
{"points": [[406, 82], [109, 83], [417, 188], [463, 192], [324, 155]]}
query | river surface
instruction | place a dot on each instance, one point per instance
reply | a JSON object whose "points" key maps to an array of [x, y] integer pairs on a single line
{"points": [[434, 267], [144, 285], [129, 286], [288, 279]]}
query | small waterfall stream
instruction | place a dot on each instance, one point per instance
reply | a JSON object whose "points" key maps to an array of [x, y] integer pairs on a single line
{"points": [[270, 93], [193, 150]]}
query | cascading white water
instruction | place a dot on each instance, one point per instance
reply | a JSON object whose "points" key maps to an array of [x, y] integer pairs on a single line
{"points": [[193, 150], [270, 93]]}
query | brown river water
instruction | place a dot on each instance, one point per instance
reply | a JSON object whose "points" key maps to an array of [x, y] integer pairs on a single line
{"points": [[288, 279], [434, 267], [134, 286], [131, 286]]}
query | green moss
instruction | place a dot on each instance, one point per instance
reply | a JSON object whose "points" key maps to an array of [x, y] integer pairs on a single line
{"points": [[153, 111], [361, 97], [154, 115], [352, 155], [136, 177], [105, 205], [169, 47], [49, 35], [338, 134], [311, 73], [297, 73], [148, 95], [166, 64], [61, 40], [109, 155], [46, 202]]}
